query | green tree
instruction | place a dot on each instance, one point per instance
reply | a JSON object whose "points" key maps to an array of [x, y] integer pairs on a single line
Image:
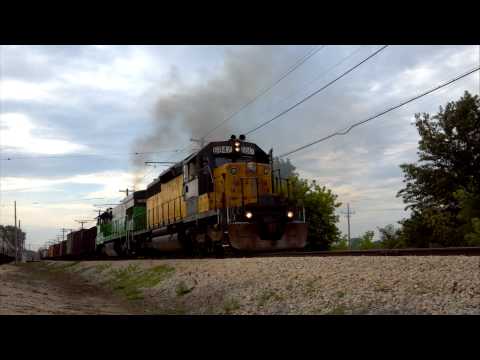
{"points": [[320, 204], [470, 214], [473, 237], [366, 241], [341, 243], [7, 232], [391, 238], [449, 161]]}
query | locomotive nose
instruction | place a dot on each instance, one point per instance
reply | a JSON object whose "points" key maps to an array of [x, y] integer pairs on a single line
{"points": [[269, 237]]}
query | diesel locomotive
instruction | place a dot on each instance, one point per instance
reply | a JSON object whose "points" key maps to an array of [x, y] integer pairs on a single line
{"points": [[226, 196]]}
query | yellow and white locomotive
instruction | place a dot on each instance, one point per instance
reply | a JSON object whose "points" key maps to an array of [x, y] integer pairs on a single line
{"points": [[223, 196]]}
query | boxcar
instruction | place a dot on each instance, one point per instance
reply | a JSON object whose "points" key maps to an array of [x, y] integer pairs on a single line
{"points": [[56, 250]]}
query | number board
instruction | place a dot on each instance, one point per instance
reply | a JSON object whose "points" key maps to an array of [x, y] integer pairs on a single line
{"points": [[248, 150], [227, 149], [222, 149]]}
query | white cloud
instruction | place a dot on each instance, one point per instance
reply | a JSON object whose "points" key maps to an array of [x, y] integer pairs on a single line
{"points": [[20, 184], [130, 74], [47, 216], [396, 152], [112, 181], [24, 90], [426, 74], [17, 133]]}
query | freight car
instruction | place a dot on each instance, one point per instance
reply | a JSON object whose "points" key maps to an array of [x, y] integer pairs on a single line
{"points": [[81, 243], [224, 196]]}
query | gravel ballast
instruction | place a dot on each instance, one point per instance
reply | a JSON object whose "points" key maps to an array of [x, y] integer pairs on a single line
{"points": [[303, 285]]}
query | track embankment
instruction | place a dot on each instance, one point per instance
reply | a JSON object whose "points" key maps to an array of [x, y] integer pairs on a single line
{"points": [[284, 285]]}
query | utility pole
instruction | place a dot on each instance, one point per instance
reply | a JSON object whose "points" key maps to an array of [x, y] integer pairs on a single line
{"points": [[16, 235], [22, 241], [125, 191], [63, 233], [82, 222], [349, 213]]}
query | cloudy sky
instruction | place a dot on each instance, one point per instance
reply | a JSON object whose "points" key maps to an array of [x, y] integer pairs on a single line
{"points": [[78, 122]]}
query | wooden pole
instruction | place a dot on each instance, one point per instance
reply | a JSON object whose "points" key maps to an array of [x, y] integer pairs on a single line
{"points": [[16, 236]]}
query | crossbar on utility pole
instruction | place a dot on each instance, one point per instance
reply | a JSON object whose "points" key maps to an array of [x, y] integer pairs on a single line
{"points": [[82, 222], [124, 191]]}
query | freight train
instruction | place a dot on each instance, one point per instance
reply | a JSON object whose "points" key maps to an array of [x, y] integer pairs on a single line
{"points": [[226, 196]]}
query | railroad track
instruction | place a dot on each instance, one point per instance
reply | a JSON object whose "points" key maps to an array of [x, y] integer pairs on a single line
{"points": [[452, 251]]}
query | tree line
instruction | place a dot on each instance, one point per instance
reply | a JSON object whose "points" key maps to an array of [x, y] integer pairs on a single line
{"points": [[442, 189], [7, 236]]}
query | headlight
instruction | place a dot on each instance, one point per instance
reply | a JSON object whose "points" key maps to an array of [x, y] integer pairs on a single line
{"points": [[237, 143], [248, 215], [290, 214], [237, 149]]}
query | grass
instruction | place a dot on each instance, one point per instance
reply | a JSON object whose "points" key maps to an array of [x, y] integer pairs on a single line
{"points": [[311, 286], [131, 279], [182, 289], [268, 295], [64, 267], [338, 310], [102, 267], [230, 305]]}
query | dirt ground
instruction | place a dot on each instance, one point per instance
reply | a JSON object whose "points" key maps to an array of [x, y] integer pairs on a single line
{"points": [[32, 289]]}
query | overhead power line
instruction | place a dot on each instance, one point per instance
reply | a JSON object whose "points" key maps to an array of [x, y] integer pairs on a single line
{"points": [[266, 90], [340, 132], [297, 64], [86, 155], [316, 91], [316, 78]]}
